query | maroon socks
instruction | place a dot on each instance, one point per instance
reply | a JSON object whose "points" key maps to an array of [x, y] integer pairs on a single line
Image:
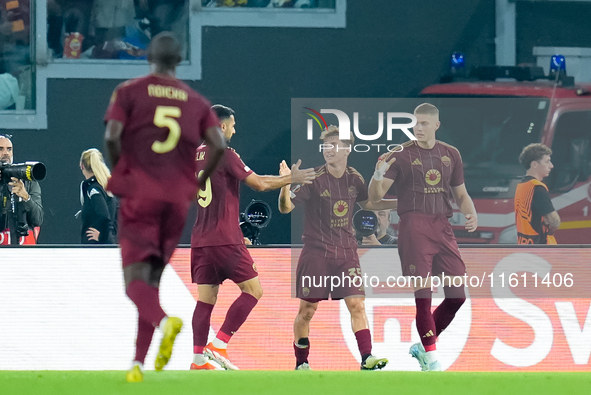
{"points": [[363, 342], [145, 331], [201, 322], [446, 311], [425, 322], [236, 315], [147, 301]]}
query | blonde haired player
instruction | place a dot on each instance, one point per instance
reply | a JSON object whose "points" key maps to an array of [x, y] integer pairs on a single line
{"points": [[427, 173]]}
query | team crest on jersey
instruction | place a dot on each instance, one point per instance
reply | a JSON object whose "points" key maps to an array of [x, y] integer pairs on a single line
{"points": [[306, 291], [433, 177], [254, 267], [412, 269], [445, 160], [340, 208], [352, 191]]}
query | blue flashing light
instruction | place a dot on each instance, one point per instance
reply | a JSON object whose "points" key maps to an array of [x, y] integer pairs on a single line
{"points": [[457, 61], [557, 63]]}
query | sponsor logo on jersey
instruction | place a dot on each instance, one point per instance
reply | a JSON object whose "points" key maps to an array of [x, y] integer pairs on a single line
{"points": [[340, 208], [433, 177], [417, 162], [326, 193]]}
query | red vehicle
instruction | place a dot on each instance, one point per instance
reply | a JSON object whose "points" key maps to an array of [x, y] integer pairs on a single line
{"points": [[490, 119]]}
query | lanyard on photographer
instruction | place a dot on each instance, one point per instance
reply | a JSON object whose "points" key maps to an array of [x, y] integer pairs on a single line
{"points": [[9, 210]]}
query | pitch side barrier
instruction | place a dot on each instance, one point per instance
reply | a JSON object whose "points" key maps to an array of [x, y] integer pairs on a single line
{"points": [[78, 290]]}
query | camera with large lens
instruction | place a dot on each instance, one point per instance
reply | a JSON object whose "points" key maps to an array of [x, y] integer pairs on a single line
{"points": [[255, 217], [365, 223], [14, 212], [28, 171]]}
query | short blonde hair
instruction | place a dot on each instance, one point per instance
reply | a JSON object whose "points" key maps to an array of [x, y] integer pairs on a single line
{"points": [[93, 161], [427, 108], [333, 130]]}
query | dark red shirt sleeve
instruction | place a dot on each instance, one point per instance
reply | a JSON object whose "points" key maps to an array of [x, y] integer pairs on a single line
{"points": [[117, 109], [394, 169], [235, 166], [301, 193], [362, 190], [457, 175]]}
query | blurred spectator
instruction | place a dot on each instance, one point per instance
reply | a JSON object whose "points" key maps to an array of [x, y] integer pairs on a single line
{"points": [[14, 34], [161, 15], [8, 91], [67, 19], [109, 18], [270, 3], [112, 29]]}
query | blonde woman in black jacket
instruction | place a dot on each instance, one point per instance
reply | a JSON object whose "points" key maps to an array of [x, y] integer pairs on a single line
{"points": [[99, 207]]}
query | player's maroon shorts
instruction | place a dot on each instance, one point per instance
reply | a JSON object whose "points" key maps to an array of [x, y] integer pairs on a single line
{"points": [[427, 246], [150, 230], [213, 265], [318, 277]]}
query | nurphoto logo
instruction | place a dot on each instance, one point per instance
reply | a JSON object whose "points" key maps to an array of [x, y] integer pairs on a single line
{"points": [[345, 128]]}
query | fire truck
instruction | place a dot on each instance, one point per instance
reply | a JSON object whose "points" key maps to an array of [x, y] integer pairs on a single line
{"points": [[490, 115]]}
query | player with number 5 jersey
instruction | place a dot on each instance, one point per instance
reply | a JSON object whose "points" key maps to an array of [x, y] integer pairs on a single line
{"points": [[154, 126], [218, 251]]}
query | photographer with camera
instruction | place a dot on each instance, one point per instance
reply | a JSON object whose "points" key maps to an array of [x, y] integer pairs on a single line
{"points": [[381, 235], [20, 198]]}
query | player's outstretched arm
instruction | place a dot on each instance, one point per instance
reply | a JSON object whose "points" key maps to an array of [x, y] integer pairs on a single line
{"points": [[270, 183], [466, 205], [379, 185], [285, 204], [113, 140], [217, 147]]}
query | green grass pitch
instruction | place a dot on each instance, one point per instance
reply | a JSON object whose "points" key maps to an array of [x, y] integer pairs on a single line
{"points": [[287, 383]]}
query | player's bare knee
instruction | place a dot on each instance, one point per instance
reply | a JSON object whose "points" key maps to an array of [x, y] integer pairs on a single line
{"points": [[252, 287], [258, 293], [208, 293], [356, 306], [209, 299], [307, 310]]}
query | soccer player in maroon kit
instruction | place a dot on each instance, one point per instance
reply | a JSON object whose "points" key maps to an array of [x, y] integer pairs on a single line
{"points": [[154, 126], [426, 173], [217, 246], [330, 247]]}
